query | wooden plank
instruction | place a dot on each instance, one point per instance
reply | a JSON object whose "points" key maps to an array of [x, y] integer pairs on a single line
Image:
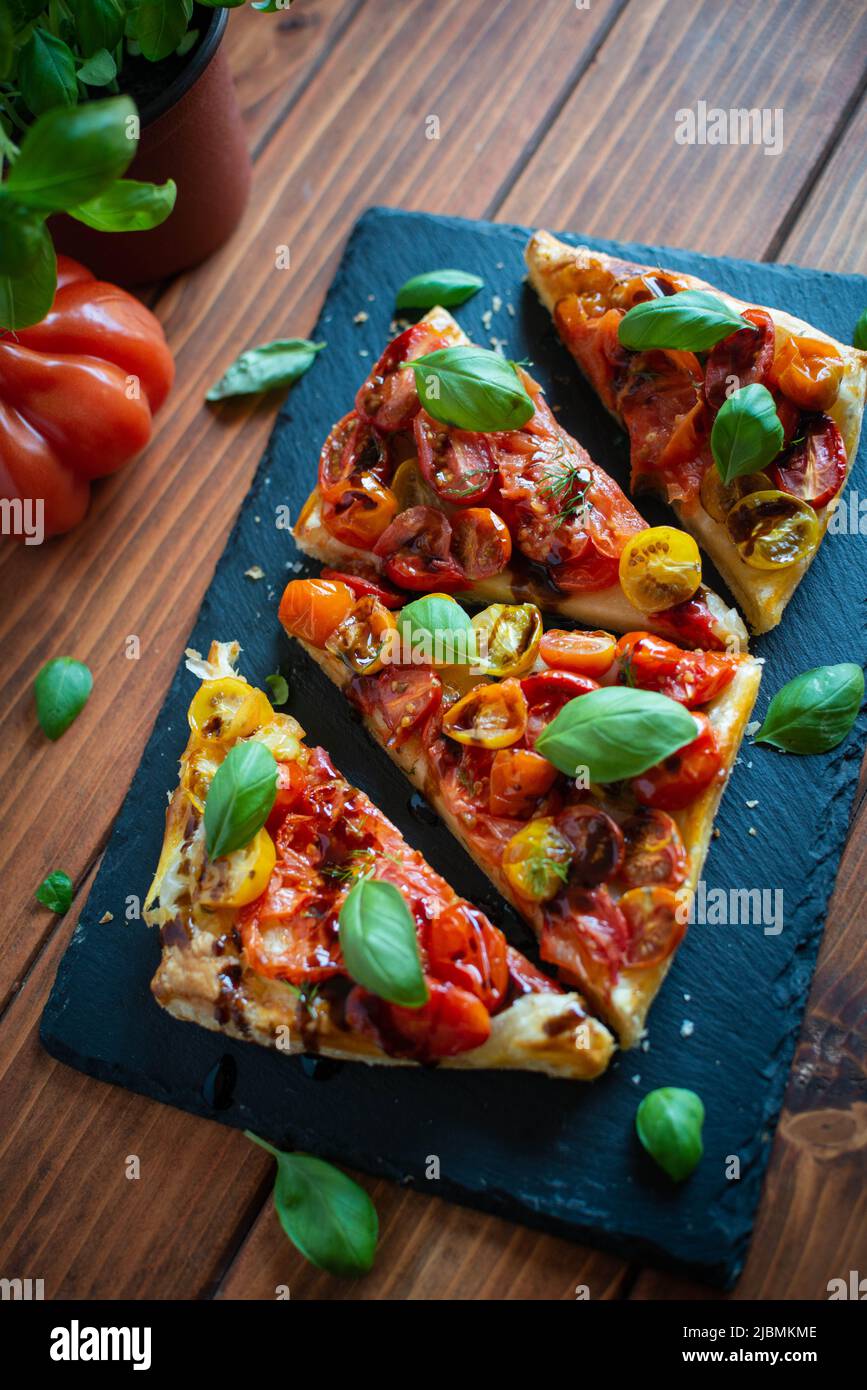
{"points": [[610, 165], [831, 228]]}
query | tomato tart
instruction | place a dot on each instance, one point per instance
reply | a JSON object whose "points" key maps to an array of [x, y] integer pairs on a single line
{"points": [[251, 940], [763, 525], [602, 868], [506, 515]]}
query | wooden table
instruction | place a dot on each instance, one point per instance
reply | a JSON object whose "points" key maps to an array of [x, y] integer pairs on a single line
{"points": [[550, 114]]}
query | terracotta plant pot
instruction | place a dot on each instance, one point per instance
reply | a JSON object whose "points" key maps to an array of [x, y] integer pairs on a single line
{"points": [[191, 132]]}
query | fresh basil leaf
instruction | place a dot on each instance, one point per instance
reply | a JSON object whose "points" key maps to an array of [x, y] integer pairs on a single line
{"points": [[99, 24], [62, 689], [46, 73], [20, 236], [438, 627], [187, 43], [128, 206], [747, 433], [27, 294], [239, 798], [669, 1123], [379, 943], [445, 287], [23, 12], [271, 6], [471, 388], [99, 70], [692, 321], [69, 157], [265, 368], [859, 337], [815, 711], [279, 688], [326, 1215], [55, 892], [160, 25], [616, 732]]}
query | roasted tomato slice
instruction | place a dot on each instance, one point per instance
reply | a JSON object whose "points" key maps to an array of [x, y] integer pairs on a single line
{"points": [[362, 638], [588, 653], [740, 359], [416, 550], [463, 948], [536, 860], [813, 468], [586, 573], [458, 464], [519, 777], [692, 678], [653, 851], [481, 542], [388, 399], [525, 978], [361, 512], [585, 933], [809, 371], [312, 608], [657, 921], [678, 780], [353, 447], [364, 587], [452, 1021], [281, 941], [597, 841], [547, 692], [490, 716], [404, 696]]}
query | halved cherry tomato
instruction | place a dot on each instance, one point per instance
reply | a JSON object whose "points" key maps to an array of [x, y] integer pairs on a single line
{"points": [[240, 877], [691, 678], [361, 512], [415, 548], [361, 639], [525, 978], [363, 587], [679, 779], [659, 567], [463, 948], [597, 842], [452, 1021], [585, 933], [481, 542], [537, 859], [410, 488], [404, 696], [519, 777], [312, 608], [458, 464], [547, 692], [773, 529], [740, 359], [490, 716], [718, 497], [353, 447], [227, 709], [654, 852], [589, 653], [809, 372], [507, 637], [813, 468], [388, 398], [656, 921]]}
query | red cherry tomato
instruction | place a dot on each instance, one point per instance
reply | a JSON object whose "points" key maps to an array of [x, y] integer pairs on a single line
{"points": [[598, 842], [654, 852], [416, 550], [745, 355], [452, 1021], [585, 931], [678, 780], [481, 542], [692, 678], [363, 587], [460, 465], [524, 978], [463, 948], [388, 398], [546, 693], [813, 467], [353, 447], [657, 921], [404, 696]]}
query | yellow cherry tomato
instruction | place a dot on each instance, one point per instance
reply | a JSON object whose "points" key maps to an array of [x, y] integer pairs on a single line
{"points": [[718, 497], [282, 735], [410, 488], [536, 860], [507, 638], [198, 771], [659, 567], [491, 716], [228, 709], [237, 878], [772, 529], [362, 637]]}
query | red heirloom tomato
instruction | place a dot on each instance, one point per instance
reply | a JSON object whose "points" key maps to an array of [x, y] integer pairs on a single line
{"points": [[464, 949], [679, 779], [656, 920], [403, 695], [353, 447], [78, 393]]}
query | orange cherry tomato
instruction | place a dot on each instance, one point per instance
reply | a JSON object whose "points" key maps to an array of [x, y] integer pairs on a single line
{"points": [[598, 842], [463, 948], [481, 542], [490, 716], [657, 921], [589, 653], [678, 780], [654, 852], [519, 777], [360, 512], [692, 678], [312, 608], [361, 638], [809, 372]]}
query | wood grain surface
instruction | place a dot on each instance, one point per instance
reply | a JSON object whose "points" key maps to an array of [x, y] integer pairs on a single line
{"points": [[548, 114]]}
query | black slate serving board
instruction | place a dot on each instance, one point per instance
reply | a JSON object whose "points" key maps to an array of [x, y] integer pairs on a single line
{"points": [[554, 1154]]}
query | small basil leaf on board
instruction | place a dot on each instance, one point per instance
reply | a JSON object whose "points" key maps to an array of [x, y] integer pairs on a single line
{"points": [[472, 388], [446, 287], [859, 337], [693, 321], [128, 206], [669, 1123], [68, 157], [815, 711], [239, 798], [62, 689], [55, 892], [379, 943], [747, 433], [265, 368], [616, 732], [326, 1215], [440, 627], [279, 688], [46, 73]]}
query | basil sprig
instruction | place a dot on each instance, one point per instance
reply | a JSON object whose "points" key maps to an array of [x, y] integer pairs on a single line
{"points": [[55, 892], [859, 337], [266, 367], [747, 433], [616, 732], [669, 1123], [446, 287], [379, 943], [472, 388], [440, 626], [692, 321], [62, 689], [326, 1215], [815, 711], [239, 798]]}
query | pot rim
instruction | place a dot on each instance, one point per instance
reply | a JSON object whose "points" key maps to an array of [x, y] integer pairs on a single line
{"points": [[200, 59]]}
